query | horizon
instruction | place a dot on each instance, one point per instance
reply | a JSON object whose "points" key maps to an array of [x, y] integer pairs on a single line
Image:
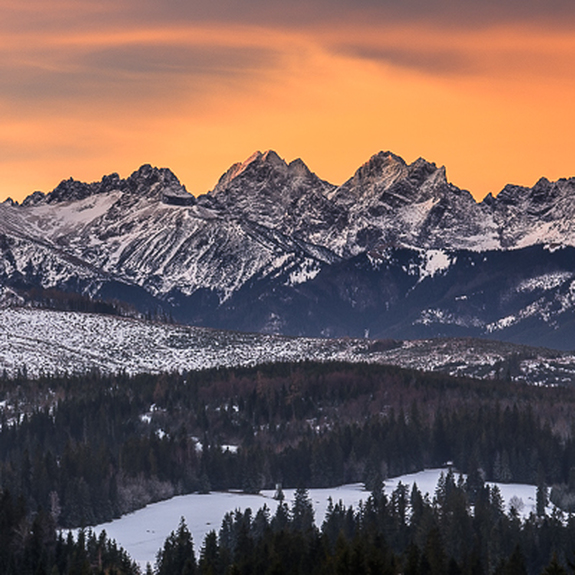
{"points": [[248, 158], [88, 88]]}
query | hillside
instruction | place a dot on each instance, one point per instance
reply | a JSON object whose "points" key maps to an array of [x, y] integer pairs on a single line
{"points": [[37, 341]]}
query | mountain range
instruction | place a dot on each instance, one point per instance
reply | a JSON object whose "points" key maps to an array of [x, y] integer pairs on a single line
{"points": [[394, 252]]}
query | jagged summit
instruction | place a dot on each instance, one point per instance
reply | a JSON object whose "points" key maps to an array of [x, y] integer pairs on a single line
{"points": [[390, 202], [379, 164], [146, 181], [268, 190], [387, 178], [544, 213], [261, 168], [73, 190], [422, 171], [380, 170], [255, 163], [543, 192], [160, 183], [386, 202]]}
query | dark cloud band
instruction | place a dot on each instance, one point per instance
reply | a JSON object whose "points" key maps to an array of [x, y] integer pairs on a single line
{"points": [[462, 12], [145, 70]]}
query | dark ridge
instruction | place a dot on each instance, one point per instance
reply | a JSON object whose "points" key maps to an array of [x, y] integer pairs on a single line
{"points": [[160, 183]]}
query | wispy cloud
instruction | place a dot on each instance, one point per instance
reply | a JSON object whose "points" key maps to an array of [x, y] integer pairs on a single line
{"points": [[490, 52], [126, 72]]}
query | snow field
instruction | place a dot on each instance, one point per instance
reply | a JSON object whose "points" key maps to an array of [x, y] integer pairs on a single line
{"points": [[143, 532], [49, 342]]}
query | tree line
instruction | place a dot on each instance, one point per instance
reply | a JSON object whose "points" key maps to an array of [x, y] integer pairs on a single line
{"points": [[464, 528], [89, 448], [31, 545]]}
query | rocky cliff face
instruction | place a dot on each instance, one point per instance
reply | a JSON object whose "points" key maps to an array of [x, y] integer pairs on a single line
{"points": [[392, 203], [396, 250], [544, 213]]}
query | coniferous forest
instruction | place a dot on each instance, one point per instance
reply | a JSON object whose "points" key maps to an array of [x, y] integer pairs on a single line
{"points": [[76, 451]]}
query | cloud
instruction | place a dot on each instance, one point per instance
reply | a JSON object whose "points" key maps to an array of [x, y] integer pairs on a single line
{"points": [[92, 14], [105, 48], [125, 67], [177, 60], [429, 61], [88, 86], [306, 12], [491, 53]]}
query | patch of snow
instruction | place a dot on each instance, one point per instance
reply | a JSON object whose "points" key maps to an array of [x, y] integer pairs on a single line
{"points": [[552, 232], [544, 282], [70, 215], [435, 261], [502, 323], [440, 316], [305, 272]]}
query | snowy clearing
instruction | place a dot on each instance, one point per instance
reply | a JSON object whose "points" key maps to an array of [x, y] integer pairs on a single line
{"points": [[143, 532]]}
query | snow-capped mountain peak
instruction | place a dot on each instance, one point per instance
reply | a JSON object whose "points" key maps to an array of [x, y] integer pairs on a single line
{"points": [[387, 179], [257, 162], [372, 178], [543, 214], [147, 181], [159, 183], [317, 258], [266, 190]]}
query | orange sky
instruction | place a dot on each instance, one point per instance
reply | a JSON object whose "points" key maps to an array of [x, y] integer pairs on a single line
{"points": [[88, 88]]}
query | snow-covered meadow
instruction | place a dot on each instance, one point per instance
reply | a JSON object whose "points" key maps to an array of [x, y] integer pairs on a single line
{"points": [[143, 532], [41, 341], [45, 341]]}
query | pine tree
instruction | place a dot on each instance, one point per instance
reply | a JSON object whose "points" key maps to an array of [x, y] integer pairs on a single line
{"points": [[554, 567], [177, 556], [302, 511], [210, 561], [515, 565], [541, 498]]}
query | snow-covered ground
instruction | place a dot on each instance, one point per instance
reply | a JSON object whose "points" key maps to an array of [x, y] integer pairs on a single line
{"points": [[143, 532], [46, 341]]}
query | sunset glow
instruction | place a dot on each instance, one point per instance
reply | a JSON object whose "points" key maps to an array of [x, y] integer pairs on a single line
{"points": [[88, 88]]}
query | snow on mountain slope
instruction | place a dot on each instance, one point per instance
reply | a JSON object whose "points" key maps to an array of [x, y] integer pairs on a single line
{"points": [[390, 202], [285, 197], [39, 342], [43, 341], [273, 248], [131, 235], [542, 214]]}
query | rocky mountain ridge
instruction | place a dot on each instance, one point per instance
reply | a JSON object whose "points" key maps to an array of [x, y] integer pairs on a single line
{"points": [[395, 251], [158, 183]]}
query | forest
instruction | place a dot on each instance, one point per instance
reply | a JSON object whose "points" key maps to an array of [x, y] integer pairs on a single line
{"points": [[401, 532], [31, 545], [82, 449]]}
